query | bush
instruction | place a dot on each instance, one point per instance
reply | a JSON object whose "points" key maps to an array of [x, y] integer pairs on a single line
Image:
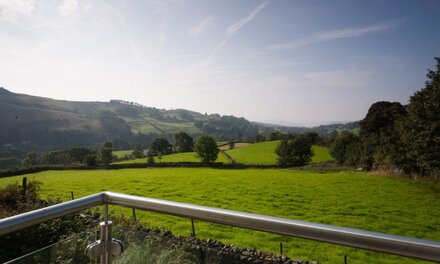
{"points": [[294, 151], [206, 149], [14, 200], [346, 149], [91, 160]]}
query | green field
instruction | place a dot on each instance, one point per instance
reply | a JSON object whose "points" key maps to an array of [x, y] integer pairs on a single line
{"points": [[264, 154], [253, 154], [177, 157], [360, 200], [121, 153]]}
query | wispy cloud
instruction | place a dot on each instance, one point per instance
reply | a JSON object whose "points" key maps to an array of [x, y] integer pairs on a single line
{"points": [[201, 27], [335, 34], [11, 10], [234, 28], [218, 47]]}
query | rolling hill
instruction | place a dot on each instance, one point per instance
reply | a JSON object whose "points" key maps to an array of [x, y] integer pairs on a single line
{"points": [[32, 122], [57, 123]]}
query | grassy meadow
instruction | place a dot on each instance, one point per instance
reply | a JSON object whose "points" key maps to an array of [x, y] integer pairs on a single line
{"points": [[264, 154], [121, 153], [250, 154], [352, 199], [177, 157]]}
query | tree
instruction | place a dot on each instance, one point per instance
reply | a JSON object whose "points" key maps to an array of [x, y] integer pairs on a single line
{"points": [[275, 135], [91, 159], [294, 151], [150, 158], [379, 134], [106, 153], [160, 145], [183, 142], [30, 160], [346, 149], [55, 157], [420, 130], [259, 138], [137, 152], [206, 149], [113, 126], [79, 154], [313, 137]]}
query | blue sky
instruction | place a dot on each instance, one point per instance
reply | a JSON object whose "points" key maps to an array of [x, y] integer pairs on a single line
{"points": [[289, 62]]}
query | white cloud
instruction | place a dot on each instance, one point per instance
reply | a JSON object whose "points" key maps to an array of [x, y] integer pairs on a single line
{"points": [[335, 34], [234, 28], [11, 10], [68, 7], [201, 27], [338, 79]]}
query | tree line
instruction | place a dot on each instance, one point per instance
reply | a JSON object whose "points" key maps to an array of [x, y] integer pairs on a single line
{"points": [[403, 137]]}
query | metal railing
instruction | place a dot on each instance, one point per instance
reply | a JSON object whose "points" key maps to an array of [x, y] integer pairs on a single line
{"points": [[398, 245]]}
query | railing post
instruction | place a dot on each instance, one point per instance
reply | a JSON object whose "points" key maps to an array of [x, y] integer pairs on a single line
{"points": [[106, 246], [105, 229]]}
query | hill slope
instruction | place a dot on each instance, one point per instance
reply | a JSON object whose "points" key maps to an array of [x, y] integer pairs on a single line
{"points": [[46, 123], [49, 122]]}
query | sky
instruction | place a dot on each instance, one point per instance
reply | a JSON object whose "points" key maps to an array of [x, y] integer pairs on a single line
{"points": [[281, 61]]}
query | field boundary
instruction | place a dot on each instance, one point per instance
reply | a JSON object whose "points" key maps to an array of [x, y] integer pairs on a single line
{"points": [[218, 165], [321, 167], [228, 157]]}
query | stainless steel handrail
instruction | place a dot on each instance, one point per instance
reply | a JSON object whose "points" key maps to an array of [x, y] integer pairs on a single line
{"points": [[398, 245], [24, 220]]}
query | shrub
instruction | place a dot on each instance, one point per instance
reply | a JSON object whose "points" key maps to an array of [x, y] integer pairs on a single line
{"points": [[91, 160], [14, 200], [346, 149]]}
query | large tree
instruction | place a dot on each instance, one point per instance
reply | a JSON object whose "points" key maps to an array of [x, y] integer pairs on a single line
{"points": [[294, 151], [206, 149], [183, 142], [421, 129], [106, 153], [137, 152], [379, 134], [160, 145]]}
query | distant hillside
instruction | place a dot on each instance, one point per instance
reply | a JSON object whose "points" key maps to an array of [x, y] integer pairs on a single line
{"points": [[44, 123], [26, 119], [323, 130]]}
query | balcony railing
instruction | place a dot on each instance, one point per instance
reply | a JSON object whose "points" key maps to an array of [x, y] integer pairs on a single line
{"points": [[106, 246]]}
